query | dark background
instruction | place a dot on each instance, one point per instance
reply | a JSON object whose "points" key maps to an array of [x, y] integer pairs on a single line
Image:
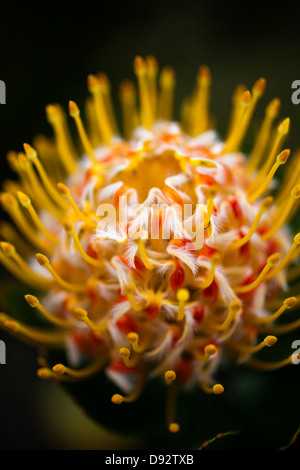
{"points": [[46, 55]]}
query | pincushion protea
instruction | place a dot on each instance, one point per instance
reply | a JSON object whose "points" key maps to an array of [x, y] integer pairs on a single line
{"points": [[138, 306]]}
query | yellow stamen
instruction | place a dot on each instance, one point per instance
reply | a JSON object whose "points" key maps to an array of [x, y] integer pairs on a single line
{"points": [[210, 205], [117, 399], [268, 366], [272, 112], [244, 348], [233, 138], [65, 192], [134, 339], [8, 232], [105, 87], [234, 308], [26, 202], [129, 290], [282, 214], [10, 204], [215, 260], [129, 110], [280, 160], [87, 146], [143, 253], [201, 118], [152, 66], [91, 369], [236, 106], [285, 328], [182, 296], [44, 261], [124, 353], [35, 303], [265, 205], [271, 261], [216, 389], [82, 315], [56, 118], [32, 156], [70, 230], [288, 303], [286, 258], [106, 131], [40, 336], [169, 377], [140, 69], [281, 134]]}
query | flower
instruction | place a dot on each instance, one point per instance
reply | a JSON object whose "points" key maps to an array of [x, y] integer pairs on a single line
{"points": [[133, 292]]}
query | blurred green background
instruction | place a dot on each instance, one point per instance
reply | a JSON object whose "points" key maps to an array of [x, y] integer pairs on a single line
{"points": [[46, 56]]}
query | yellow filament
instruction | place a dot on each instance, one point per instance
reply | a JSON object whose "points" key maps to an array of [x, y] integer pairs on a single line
{"points": [[129, 290], [281, 133], [70, 230], [201, 116], [91, 369], [35, 303], [182, 296], [233, 138], [282, 214], [8, 232], [56, 118], [124, 353], [210, 206], [26, 202], [143, 253], [128, 104], [32, 156], [40, 336], [265, 205], [10, 205], [134, 340], [82, 315], [105, 90], [271, 261], [117, 399], [43, 261], [234, 309], [286, 328], [235, 109], [280, 160], [65, 192], [271, 114], [105, 128], [244, 348], [215, 260], [286, 258], [287, 304], [87, 146], [166, 96], [152, 67], [291, 178], [268, 366], [140, 70]]}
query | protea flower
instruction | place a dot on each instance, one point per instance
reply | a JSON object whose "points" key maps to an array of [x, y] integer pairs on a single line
{"points": [[138, 306]]}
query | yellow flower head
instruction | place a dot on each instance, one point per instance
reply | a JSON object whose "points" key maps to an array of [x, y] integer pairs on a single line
{"points": [[162, 253]]}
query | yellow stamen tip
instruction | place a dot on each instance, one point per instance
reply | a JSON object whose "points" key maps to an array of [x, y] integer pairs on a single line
{"points": [[132, 337], [290, 302], [210, 349], [235, 306], [42, 259], [32, 300], [93, 82], [182, 295], [284, 126], [270, 340], [295, 193], [24, 199], [44, 373], [117, 399], [68, 226], [124, 353], [80, 313], [297, 238], [218, 389], [267, 202], [260, 86], [12, 325], [245, 98], [30, 151], [283, 156], [174, 427], [170, 375], [59, 369], [273, 259], [8, 248], [73, 108], [8, 201], [63, 189], [139, 65]]}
